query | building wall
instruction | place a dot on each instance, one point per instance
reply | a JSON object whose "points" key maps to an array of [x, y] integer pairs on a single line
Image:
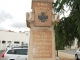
{"points": [[7, 37], [74, 46]]}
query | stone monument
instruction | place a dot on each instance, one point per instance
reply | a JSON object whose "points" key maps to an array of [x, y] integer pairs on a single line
{"points": [[42, 36]]}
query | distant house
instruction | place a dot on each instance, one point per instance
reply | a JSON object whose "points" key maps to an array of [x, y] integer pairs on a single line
{"points": [[8, 37]]}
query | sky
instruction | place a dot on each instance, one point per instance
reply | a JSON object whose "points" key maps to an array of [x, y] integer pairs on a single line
{"points": [[13, 14]]}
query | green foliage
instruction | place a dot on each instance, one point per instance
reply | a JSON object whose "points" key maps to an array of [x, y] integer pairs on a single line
{"points": [[69, 27], [65, 32]]}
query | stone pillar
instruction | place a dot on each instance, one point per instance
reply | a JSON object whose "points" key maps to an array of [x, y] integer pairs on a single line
{"points": [[42, 36]]}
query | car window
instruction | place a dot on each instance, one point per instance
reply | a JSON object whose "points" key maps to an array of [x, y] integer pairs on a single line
{"points": [[22, 51], [11, 52], [18, 51]]}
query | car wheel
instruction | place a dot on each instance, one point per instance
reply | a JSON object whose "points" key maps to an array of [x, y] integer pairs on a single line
{"points": [[76, 57]]}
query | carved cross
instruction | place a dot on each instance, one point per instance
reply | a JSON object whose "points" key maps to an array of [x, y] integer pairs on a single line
{"points": [[42, 17]]}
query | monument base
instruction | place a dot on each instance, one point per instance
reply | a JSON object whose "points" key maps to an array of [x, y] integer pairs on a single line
{"points": [[42, 43]]}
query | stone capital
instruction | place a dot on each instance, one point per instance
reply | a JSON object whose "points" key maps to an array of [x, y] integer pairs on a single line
{"points": [[30, 18]]}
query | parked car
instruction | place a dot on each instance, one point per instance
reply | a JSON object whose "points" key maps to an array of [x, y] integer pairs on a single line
{"points": [[77, 54], [15, 53]]}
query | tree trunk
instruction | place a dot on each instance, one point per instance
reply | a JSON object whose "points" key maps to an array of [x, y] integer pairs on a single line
{"points": [[57, 53]]}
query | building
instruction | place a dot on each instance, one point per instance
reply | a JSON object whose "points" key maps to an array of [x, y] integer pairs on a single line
{"points": [[74, 46], [8, 37]]}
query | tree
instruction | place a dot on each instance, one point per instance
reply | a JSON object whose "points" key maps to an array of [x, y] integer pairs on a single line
{"points": [[69, 27], [65, 33], [74, 7]]}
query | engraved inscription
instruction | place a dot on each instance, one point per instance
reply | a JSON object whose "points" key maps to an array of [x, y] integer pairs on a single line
{"points": [[42, 6], [42, 44]]}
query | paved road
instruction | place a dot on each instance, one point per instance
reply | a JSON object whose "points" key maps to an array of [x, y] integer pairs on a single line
{"points": [[1, 53], [69, 51]]}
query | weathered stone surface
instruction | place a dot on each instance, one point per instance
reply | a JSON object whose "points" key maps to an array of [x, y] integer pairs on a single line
{"points": [[42, 43], [43, 18], [41, 6], [43, 13], [42, 38]]}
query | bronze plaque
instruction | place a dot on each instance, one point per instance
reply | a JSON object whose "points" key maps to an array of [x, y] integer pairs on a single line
{"points": [[41, 6], [43, 0], [43, 18], [42, 43]]}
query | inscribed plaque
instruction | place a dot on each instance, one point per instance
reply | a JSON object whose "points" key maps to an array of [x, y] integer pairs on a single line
{"points": [[42, 44]]}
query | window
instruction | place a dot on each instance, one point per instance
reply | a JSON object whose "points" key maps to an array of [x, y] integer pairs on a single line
{"points": [[8, 41], [24, 51], [18, 51], [11, 52], [16, 42], [3, 42]]}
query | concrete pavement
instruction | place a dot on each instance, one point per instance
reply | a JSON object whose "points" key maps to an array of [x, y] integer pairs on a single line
{"points": [[66, 56], [72, 51], [1, 53]]}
